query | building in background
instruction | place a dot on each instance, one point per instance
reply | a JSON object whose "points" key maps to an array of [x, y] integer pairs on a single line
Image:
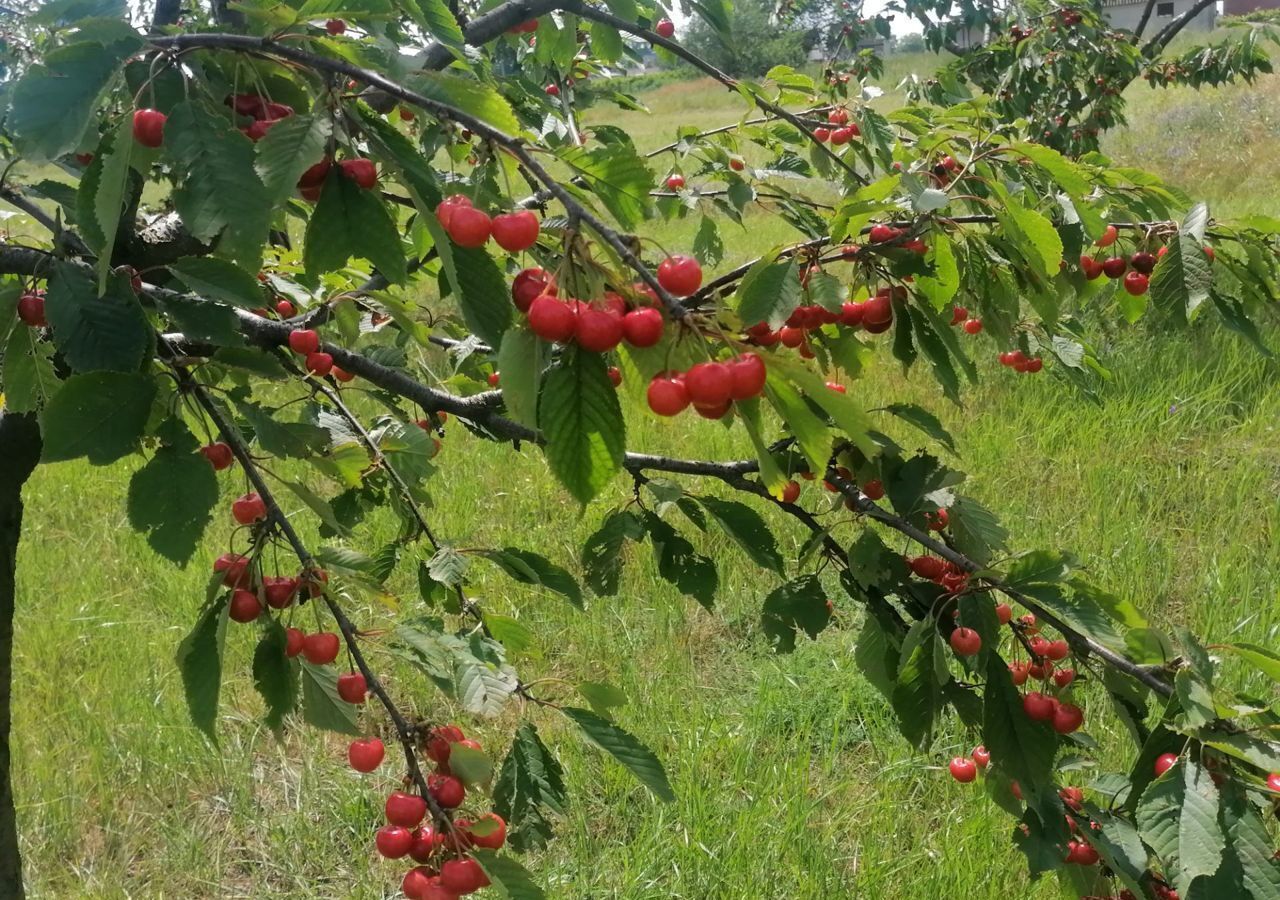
{"points": [[1127, 13]]}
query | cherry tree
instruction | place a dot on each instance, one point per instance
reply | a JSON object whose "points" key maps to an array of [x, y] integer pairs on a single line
{"points": [[329, 205]]}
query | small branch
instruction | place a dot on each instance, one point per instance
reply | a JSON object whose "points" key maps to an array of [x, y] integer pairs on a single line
{"points": [[733, 126], [1170, 31], [69, 238], [1142, 22]]}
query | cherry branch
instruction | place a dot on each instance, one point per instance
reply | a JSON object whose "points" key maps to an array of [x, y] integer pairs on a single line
{"points": [[404, 731], [733, 126], [444, 112], [593, 13]]}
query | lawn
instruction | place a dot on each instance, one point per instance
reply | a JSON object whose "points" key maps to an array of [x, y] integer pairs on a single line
{"points": [[791, 778]]}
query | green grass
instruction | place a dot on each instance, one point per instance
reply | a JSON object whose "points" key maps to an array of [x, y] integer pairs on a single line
{"points": [[791, 778]]}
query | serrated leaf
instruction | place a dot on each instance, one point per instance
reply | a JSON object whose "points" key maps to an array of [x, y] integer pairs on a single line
{"points": [[1067, 174], [318, 505], [199, 661], [1019, 746], [769, 292], [433, 17], [530, 786], [484, 296], [531, 568], [100, 416], [1034, 235], [617, 176], [29, 379], [509, 876], [203, 320], [924, 420], [220, 193], [350, 221], [1182, 278], [622, 746], [707, 244], [171, 500], [917, 696], [1250, 845], [602, 551], [92, 332], [447, 566], [299, 440], [275, 676], [520, 361], [100, 198], [1196, 699], [799, 605], [583, 425], [929, 200], [469, 95], [291, 146], [470, 765], [877, 656], [1200, 838], [747, 529], [692, 573], [976, 531], [1265, 661], [321, 705], [942, 285]]}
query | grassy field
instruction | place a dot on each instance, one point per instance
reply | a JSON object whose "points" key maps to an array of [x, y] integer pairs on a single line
{"points": [[791, 778]]}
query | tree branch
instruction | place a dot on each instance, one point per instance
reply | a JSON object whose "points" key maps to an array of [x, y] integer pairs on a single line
{"points": [[1142, 22], [1170, 31]]}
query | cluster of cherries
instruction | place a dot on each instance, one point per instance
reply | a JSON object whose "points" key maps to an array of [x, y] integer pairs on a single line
{"points": [[444, 870], [710, 387], [875, 315], [306, 343], [263, 112], [844, 130], [1140, 265], [471, 227], [960, 316]]}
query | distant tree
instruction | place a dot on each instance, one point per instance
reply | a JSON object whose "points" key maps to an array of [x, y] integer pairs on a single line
{"points": [[759, 41]]}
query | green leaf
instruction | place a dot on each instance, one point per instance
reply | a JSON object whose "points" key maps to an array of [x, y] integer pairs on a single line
{"points": [[528, 567], [917, 696], [530, 786], [769, 292], [1034, 235], [291, 146], [1200, 838], [707, 245], [321, 705], [355, 9], [1067, 174], [199, 660], [602, 551], [171, 500], [798, 605], [520, 360], [1250, 845], [747, 529], [1265, 661], [29, 379], [299, 440], [484, 295], [350, 221], [976, 531], [844, 411], [616, 175], [602, 697], [509, 876], [275, 676], [622, 746], [1120, 847], [318, 505], [876, 656], [100, 416], [60, 13], [692, 573], [52, 104], [481, 685], [447, 566], [203, 320], [811, 434], [942, 285], [92, 332], [220, 194], [1182, 278], [1196, 699], [473, 767], [433, 17], [480, 100], [924, 420], [582, 422], [1022, 748], [100, 199]]}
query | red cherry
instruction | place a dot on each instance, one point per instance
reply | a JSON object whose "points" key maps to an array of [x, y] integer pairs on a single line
{"points": [[552, 90], [420, 883], [552, 319], [1273, 782], [1165, 762], [736, 164], [394, 841], [219, 455], [880, 234], [1136, 283], [293, 639], [1143, 262], [748, 376], [1034, 365], [335, 26], [615, 376], [148, 127], [642, 327], [1109, 235], [426, 842], [1057, 650], [981, 756], [1038, 707], [965, 641], [1208, 251], [928, 567], [528, 284], [310, 193], [1080, 853], [244, 606], [958, 315], [463, 876], [873, 489], [342, 374], [877, 311], [851, 314], [469, 227], [304, 341], [667, 395], [842, 135], [406, 810], [1004, 613], [1018, 673], [1041, 671], [963, 770], [597, 330], [839, 116], [515, 231], [938, 521], [837, 387], [494, 839], [285, 309], [791, 492], [321, 648], [361, 171], [681, 275], [31, 310], [822, 135], [352, 687], [1091, 267], [1073, 797], [972, 326], [1067, 718], [446, 207], [448, 791], [279, 591], [366, 754], [710, 384], [440, 743], [675, 182], [665, 27], [1064, 677], [1114, 267], [791, 337], [319, 364], [84, 158], [316, 175], [235, 569], [248, 509]]}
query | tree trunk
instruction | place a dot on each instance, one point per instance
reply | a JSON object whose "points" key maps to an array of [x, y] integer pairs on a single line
{"points": [[19, 452]]}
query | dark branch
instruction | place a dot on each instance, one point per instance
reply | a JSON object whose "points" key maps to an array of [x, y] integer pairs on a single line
{"points": [[1170, 31]]}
